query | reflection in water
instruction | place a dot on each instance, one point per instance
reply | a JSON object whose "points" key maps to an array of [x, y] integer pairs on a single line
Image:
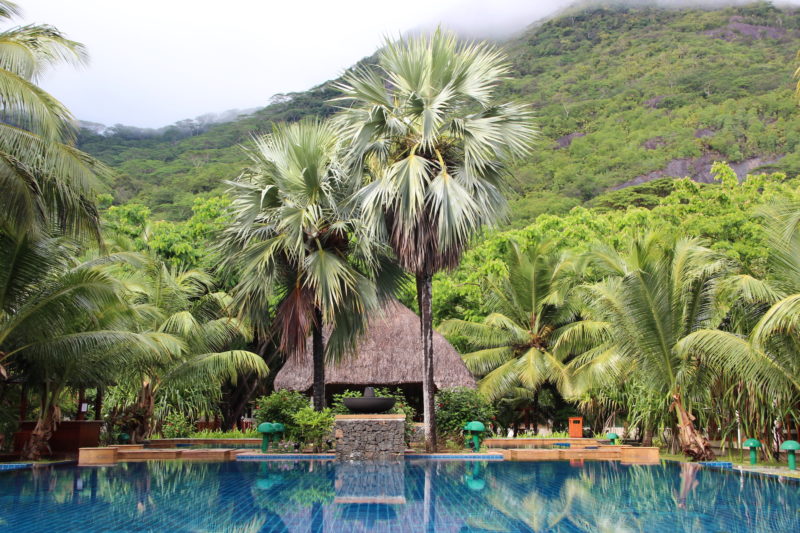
{"points": [[315, 496]]}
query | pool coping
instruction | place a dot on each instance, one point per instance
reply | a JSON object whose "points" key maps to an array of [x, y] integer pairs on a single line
{"points": [[11, 467]]}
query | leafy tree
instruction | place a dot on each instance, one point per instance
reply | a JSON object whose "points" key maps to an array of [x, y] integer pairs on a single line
{"points": [[62, 323], [200, 341], [46, 181], [297, 248], [425, 130], [652, 297], [512, 347]]}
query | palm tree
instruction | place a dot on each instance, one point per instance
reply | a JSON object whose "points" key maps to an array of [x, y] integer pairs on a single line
{"points": [[297, 247], [62, 323], [427, 134], [761, 348], [206, 345], [635, 319], [46, 181], [513, 345]]}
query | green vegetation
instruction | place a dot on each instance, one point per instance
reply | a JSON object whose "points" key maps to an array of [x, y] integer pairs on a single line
{"points": [[313, 427], [608, 109], [459, 405], [671, 305]]}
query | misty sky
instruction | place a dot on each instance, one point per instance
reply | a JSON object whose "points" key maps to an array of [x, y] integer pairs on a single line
{"points": [[156, 62]]}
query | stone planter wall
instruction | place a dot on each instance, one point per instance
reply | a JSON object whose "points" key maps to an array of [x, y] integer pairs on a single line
{"points": [[369, 437]]}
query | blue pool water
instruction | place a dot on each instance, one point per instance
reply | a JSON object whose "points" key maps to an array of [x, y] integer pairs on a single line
{"points": [[415, 495]]}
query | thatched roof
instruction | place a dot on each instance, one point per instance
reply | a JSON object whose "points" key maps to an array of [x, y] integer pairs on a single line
{"points": [[389, 353]]}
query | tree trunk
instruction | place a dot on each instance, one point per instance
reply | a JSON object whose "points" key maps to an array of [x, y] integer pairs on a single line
{"points": [[647, 439], [428, 386], [692, 442], [39, 442], [318, 351], [98, 404], [145, 405], [235, 399]]}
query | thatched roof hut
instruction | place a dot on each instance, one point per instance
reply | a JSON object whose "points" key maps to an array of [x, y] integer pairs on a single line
{"points": [[389, 354]]}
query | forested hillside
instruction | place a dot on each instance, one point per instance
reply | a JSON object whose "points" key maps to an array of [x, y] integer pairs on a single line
{"points": [[622, 96]]}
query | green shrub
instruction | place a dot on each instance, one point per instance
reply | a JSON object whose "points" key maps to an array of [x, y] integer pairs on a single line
{"points": [[280, 406], [313, 427], [459, 405], [176, 426], [401, 407], [232, 434]]}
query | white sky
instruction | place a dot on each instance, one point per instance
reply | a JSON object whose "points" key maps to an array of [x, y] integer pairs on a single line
{"points": [[156, 62]]}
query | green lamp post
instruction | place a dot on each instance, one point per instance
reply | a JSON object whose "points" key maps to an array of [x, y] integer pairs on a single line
{"points": [[753, 444], [278, 431], [613, 437], [474, 430], [790, 447], [266, 429]]}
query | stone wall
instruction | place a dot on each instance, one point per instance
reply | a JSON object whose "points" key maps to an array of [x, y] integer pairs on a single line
{"points": [[360, 437]]}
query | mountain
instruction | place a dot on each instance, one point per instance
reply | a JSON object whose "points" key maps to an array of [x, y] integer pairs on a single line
{"points": [[623, 96]]}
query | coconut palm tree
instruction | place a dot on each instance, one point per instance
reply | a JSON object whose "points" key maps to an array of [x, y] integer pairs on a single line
{"points": [[62, 323], [426, 132], [762, 346], [652, 297], [46, 181], [208, 343], [512, 346], [296, 247]]}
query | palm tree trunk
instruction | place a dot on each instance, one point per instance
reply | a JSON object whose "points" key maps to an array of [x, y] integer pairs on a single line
{"points": [[318, 351], [145, 406], [39, 442], [426, 320], [691, 441]]}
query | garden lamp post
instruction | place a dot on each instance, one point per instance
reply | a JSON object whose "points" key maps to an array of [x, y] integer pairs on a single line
{"points": [[790, 447], [753, 444]]}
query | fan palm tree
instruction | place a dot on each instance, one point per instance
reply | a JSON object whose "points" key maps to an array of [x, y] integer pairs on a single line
{"points": [[513, 345], [62, 323], [46, 181], [207, 342], [297, 247], [652, 297], [424, 129]]}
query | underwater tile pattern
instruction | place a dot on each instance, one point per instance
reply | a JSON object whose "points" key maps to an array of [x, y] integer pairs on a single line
{"points": [[415, 495]]}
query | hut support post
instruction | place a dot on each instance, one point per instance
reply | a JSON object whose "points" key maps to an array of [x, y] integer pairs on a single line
{"points": [[426, 319], [318, 354]]}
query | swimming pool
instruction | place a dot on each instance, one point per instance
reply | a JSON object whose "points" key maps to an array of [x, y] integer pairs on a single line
{"points": [[414, 495]]}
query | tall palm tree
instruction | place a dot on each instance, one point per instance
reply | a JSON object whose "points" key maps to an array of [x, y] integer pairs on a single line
{"points": [[652, 297], [46, 181], [207, 342], [297, 247], [425, 130], [513, 345]]}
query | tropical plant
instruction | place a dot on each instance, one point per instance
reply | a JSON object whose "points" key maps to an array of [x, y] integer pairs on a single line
{"points": [[760, 348], [653, 296], [313, 426], [280, 406], [175, 426], [46, 182], [457, 406], [426, 132], [512, 347], [297, 249], [62, 323], [208, 344]]}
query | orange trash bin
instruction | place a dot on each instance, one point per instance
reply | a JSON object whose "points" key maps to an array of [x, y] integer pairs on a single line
{"points": [[576, 427]]}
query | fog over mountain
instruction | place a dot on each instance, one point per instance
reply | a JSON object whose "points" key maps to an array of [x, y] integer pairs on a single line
{"points": [[157, 63]]}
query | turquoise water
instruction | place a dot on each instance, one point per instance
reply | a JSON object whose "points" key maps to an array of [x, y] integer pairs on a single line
{"points": [[418, 495]]}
